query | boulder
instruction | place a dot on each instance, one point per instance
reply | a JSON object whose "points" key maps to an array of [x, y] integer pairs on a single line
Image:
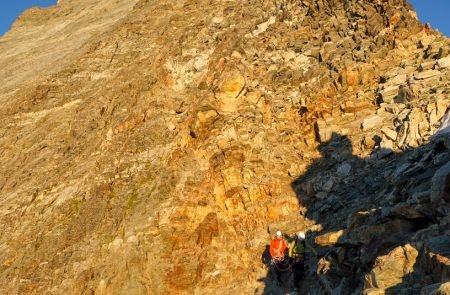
{"points": [[437, 261], [391, 134], [349, 77], [204, 118], [361, 218], [388, 94], [427, 75], [426, 66], [413, 135], [406, 211], [440, 184], [390, 230], [327, 276], [344, 169], [232, 177], [387, 144], [436, 50], [445, 125], [389, 270], [425, 41], [327, 50], [323, 183], [324, 131], [443, 63], [398, 80], [419, 197], [329, 239], [405, 94], [372, 122], [395, 108]]}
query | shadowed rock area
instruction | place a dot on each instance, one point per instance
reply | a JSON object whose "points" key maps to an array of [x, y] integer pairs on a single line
{"points": [[154, 147]]}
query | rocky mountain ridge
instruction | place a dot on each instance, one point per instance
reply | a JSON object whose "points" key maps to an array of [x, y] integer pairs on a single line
{"points": [[155, 146]]}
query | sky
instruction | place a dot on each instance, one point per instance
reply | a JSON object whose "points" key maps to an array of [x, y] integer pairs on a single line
{"points": [[434, 12]]}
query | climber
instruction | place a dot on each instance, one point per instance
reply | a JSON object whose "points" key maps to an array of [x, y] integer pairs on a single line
{"points": [[277, 248], [297, 249]]}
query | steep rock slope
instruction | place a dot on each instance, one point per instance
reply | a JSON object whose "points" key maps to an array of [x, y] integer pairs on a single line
{"points": [[43, 41], [159, 144]]}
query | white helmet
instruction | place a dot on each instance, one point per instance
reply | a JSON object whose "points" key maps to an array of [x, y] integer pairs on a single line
{"points": [[301, 235], [279, 234]]}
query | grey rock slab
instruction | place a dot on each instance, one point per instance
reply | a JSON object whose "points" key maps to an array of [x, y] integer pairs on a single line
{"points": [[440, 184], [406, 211], [419, 197], [399, 171], [439, 245], [344, 169]]}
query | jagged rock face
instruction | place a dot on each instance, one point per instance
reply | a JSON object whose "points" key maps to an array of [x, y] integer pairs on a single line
{"points": [[155, 146]]}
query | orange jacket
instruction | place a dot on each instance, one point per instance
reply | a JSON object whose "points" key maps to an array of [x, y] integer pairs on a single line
{"points": [[277, 248]]}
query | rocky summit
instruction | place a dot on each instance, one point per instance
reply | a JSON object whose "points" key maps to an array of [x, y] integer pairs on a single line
{"points": [[155, 147]]}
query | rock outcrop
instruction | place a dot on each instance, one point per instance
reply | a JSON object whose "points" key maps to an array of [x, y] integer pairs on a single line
{"points": [[152, 147]]}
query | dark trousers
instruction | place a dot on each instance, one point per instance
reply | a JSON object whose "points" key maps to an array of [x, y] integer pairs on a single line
{"points": [[279, 267], [297, 268], [279, 274]]}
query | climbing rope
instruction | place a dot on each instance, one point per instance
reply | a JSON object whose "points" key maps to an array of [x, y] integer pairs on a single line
{"points": [[286, 264], [283, 263]]}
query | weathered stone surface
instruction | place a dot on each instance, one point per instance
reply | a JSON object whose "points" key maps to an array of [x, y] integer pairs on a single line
{"points": [[435, 289], [427, 75], [262, 27], [440, 187], [204, 120], [415, 129], [329, 239], [325, 131], [437, 261], [389, 270], [391, 229], [372, 122], [443, 63], [388, 94], [391, 134], [231, 85], [425, 41], [429, 65], [445, 125], [344, 169], [407, 212]]}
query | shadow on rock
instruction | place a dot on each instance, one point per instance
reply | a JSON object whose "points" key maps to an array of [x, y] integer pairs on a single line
{"points": [[382, 222]]}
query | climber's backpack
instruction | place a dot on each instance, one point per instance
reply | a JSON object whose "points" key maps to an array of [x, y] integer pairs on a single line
{"points": [[299, 248]]}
